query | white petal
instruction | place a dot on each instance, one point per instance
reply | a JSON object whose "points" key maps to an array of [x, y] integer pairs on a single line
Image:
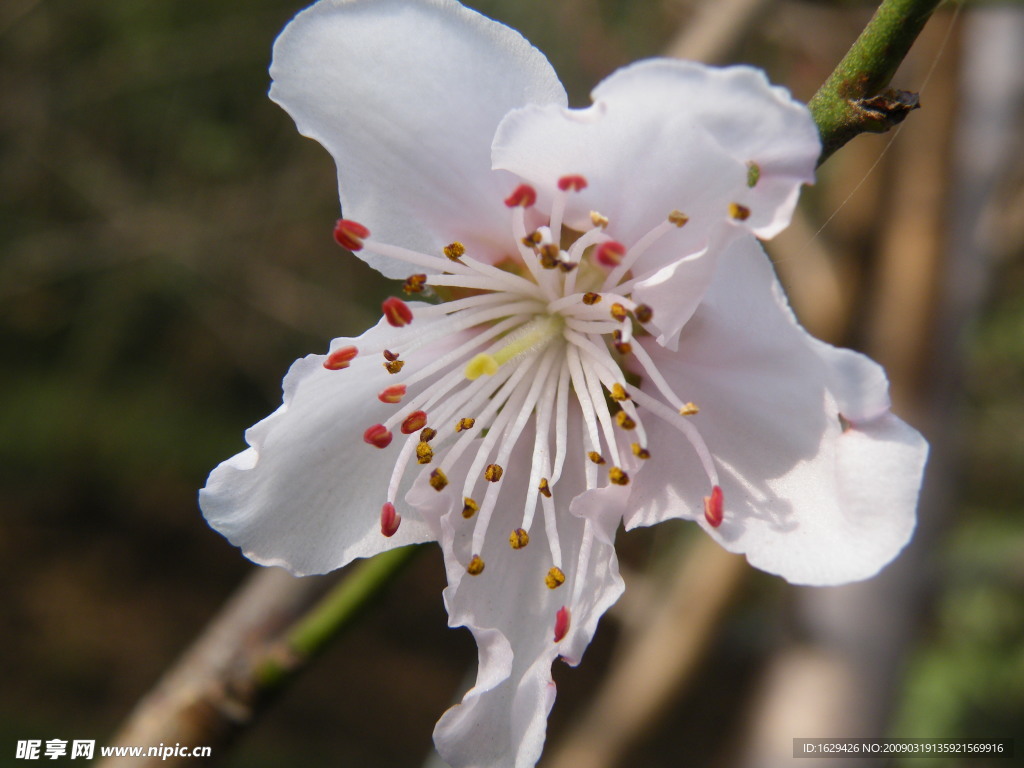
{"points": [[752, 120], [307, 494], [501, 722], [803, 499], [406, 95]]}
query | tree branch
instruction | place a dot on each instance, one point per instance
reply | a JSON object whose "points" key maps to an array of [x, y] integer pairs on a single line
{"points": [[855, 98]]}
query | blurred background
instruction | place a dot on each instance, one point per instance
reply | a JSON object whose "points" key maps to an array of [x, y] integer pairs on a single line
{"points": [[166, 252]]}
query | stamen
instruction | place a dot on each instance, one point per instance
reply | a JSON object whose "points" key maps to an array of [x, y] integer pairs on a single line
{"points": [[623, 420], [678, 218], [689, 409], [438, 479], [493, 473], [390, 356], [643, 314], [397, 312], [549, 254], [618, 393], [340, 358], [469, 507], [595, 457], [610, 253], [414, 283], [389, 519], [378, 435], [544, 488], [618, 312], [424, 453], [392, 394], [350, 234], [394, 366], [414, 422], [518, 538], [523, 196], [554, 578], [617, 476], [427, 435], [590, 298], [714, 510], [455, 251], [739, 212], [573, 182], [475, 566], [598, 220], [464, 424], [562, 620], [640, 452]]}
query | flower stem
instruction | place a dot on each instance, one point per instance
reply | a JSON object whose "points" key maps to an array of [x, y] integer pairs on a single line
{"points": [[852, 100], [336, 610]]}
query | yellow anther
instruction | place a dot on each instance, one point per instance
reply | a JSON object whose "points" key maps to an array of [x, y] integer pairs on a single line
{"points": [[463, 424], [623, 347], [640, 452], [544, 488], [643, 313], [555, 578], [549, 255], [619, 393], [595, 457], [414, 283], [618, 312], [590, 298], [739, 212], [428, 434], [533, 239], [493, 473], [623, 420], [518, 538], [678, 218], [438, 480], [480, 365], [469, 507], [424, 453], [394, 366], [598, 220], [689, 409], [475, 566], [567, 266], [617, 476], [454, 251]]}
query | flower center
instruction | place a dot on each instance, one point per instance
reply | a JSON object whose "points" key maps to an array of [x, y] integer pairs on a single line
{"points": [[551, 333]]}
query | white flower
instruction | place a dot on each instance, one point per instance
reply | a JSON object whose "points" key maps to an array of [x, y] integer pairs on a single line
{"points": [[604, 283]]}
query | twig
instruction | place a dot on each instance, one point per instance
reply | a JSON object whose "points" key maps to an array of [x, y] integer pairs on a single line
{"points": [[852, 100]]}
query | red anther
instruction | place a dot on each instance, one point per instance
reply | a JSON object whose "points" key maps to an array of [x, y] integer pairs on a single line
{"points": [[523, 195], [389, 519], [610, 253], [714, 510], [414, 422], [350, 234], [562, 620], [397, 312], [340, 358], [378, 435], [392, 394], [575, 183]]}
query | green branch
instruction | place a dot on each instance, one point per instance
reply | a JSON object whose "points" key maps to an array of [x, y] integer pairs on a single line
{"points": [[856, 98]]}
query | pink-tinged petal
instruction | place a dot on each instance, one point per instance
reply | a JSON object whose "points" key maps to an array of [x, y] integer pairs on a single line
{"points": [[307, 494], [406, 95], [802, 497], [501, 722]]}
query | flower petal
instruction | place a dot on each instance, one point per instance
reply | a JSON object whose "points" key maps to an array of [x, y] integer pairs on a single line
{"points": [[803, 498], [308, 492], [406, 95], [668, 135], [502, 720]]}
